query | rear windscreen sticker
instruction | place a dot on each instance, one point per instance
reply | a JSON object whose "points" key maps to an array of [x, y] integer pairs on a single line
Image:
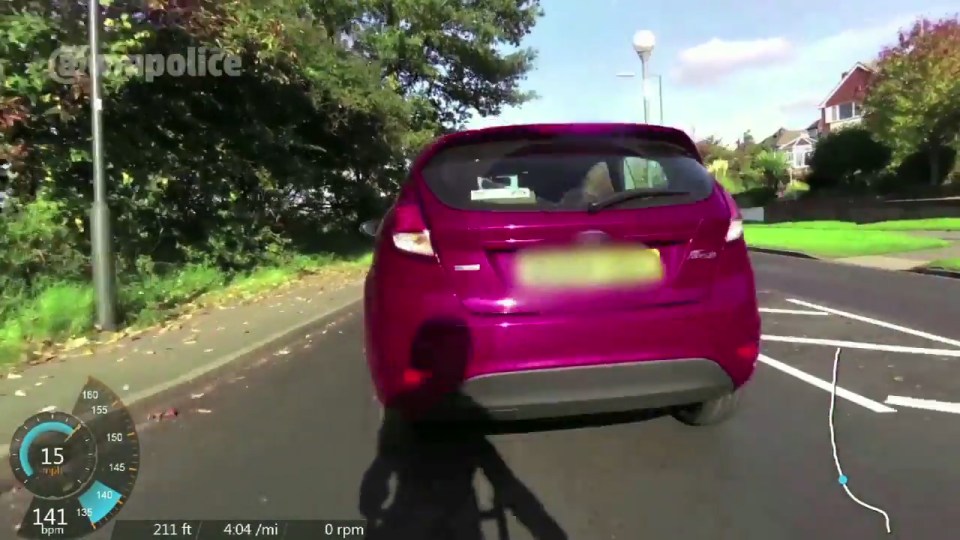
{"points": [[512, 182], [503, 194]]}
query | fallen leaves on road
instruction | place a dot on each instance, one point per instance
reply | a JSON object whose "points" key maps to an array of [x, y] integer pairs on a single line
{"points": [[14, 376], [165, 415], [208, 350], [204, 411], [75, 343], [48, 408], [20, 393], [189, 342], [282, 352]]}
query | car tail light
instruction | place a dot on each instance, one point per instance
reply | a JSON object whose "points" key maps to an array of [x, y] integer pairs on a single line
{"points": [[410, 233], [735, 229], [748, 351]]}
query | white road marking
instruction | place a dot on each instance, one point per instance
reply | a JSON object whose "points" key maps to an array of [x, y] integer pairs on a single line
{"points": [[891, 326], [792, 311], [865, 346], [864, 402], [926, 404]]}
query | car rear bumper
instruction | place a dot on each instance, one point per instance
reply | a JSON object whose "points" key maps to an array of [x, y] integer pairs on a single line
{"points": [[424, 346], [582, 390]]}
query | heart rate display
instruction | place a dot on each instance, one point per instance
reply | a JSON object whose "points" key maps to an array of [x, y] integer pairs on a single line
{"points": [[80, 466]]}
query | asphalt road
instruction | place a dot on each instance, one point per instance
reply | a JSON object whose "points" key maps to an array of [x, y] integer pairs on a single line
{"points": [[295, 435]]}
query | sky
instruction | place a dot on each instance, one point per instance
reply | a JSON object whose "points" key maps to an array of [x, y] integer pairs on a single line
{"points": [[726, 66]]}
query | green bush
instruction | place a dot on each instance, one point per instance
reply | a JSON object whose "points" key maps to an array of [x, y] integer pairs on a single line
{"points": [[773, 166], [846, 158], [795, 189], [38, 247], [755, 197], [732, 186], [915, 168]]}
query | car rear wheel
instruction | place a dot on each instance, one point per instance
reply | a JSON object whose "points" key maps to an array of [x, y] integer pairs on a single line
{"points": [[710, 412]]}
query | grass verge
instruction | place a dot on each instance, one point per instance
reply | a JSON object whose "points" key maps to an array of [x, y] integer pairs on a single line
{"points": [[839, 242], [946, 264], [931, 224], [66, 310]]}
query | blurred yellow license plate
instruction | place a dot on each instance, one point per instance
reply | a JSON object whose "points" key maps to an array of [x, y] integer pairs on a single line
{"points": [[589, 267]]}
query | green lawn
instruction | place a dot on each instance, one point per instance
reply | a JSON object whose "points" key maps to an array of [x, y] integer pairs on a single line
{"points": [[809, 225], [932, 224], [947, 264], [836, 242]]}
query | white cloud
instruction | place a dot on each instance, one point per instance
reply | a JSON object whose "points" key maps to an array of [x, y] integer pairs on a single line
{"points": [[791, 88], [717, 58], [806, 104]]}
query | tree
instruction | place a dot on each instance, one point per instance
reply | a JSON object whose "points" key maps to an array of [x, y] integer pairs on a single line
{"points": [[712, 148], [313, 134], [774, 167], [913, 103], [742, 164], [450, 54]]}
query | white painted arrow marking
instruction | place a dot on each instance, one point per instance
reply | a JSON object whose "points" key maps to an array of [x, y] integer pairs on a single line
{"points": [[925, 404]]}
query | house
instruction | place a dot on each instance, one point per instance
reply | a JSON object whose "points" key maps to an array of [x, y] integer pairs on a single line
{"points": [[797, 144], [843, 106]]}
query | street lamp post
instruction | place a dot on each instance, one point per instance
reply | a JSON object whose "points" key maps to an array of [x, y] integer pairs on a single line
{"points": [[659, 78], [104, 283], [643, 43]]}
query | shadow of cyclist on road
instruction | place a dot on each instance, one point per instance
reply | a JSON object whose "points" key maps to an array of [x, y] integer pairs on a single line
{"points": [[432, 471], [434, 495]]}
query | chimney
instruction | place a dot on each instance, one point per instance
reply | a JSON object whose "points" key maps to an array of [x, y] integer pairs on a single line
{"points": [[844, 75]]}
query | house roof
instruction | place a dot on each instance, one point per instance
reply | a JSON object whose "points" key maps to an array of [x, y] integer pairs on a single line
{"points": [[803, 138], [784, 136], [869, 66], [814, 125]]}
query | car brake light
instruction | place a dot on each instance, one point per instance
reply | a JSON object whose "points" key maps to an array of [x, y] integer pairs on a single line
{"points": [[735, 229], [410, 231]]}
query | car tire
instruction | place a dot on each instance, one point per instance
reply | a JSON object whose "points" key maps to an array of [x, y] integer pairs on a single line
{"points": [[708, 413]]}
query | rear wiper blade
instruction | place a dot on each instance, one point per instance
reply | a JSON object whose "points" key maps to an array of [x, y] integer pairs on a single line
{"points": [[623, 196]]}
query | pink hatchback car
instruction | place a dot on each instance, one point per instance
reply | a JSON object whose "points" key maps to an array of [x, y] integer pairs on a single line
{"points": [[539, 271]]}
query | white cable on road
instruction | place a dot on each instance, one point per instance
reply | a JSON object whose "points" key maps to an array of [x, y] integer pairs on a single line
{"points": [[842, 478]]}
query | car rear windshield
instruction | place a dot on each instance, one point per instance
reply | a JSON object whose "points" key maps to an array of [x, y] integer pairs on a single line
{"points": [[565, 174]]}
